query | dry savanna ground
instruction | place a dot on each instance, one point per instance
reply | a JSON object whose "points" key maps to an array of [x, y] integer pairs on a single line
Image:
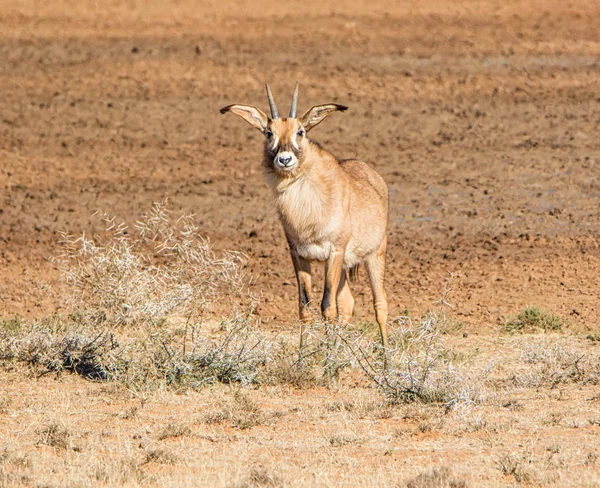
{"points": [[147, 356]]}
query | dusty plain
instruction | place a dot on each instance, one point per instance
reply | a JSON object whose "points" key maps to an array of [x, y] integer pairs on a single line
{"points": [[483, 118]]}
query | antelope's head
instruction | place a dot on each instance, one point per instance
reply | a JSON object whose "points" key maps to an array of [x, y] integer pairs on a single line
{"points": [[286, 142]]}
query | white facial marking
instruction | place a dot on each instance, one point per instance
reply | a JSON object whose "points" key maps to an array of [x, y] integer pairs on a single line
{"points": [[275, 142], [295, 143]]}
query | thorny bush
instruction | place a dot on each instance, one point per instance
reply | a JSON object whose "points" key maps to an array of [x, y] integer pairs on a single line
{"points": [[141, 312], [159, 270]]}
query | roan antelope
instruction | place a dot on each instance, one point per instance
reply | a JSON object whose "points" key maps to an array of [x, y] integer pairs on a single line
{"points": [[332, 211]]}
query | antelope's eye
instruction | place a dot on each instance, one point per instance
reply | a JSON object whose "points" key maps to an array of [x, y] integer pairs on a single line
{"points": [[269, 134], [300, 132]]}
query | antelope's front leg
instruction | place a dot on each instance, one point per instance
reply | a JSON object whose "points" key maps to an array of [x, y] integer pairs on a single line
{"points": [[333, 274], [303, 276]]}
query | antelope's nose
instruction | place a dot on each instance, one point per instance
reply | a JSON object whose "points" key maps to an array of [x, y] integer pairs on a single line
{"points": [[285, 160]]}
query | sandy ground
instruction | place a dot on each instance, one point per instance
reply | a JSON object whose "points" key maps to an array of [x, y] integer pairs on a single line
{"points": [[483, 118], [66, 431]]}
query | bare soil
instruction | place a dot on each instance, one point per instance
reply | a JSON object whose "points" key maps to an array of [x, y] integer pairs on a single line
{"points": [[483, 118]]}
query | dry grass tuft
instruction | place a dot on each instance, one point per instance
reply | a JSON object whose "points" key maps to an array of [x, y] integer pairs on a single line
{"points": [[513, 465], [122, 471], [14, 468], [437, 478], [16, 460], [160, 456], [55, 435], [344, 439], [174, 430], [239, 411], [260, 477], [5, 404], [11, 325]]}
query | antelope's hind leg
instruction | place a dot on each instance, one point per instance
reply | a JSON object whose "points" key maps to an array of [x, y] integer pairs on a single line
{"points": [[345, 300], [334, 268], [375, 266]]}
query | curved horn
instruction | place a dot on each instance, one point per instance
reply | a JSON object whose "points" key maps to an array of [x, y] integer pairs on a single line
{"points": [[294, 107], [274, 112]]}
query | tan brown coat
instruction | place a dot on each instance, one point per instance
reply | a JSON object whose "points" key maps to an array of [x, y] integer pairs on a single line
{"points": [[332, 211]]}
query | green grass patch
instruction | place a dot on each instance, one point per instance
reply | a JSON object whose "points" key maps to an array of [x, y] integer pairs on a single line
{"points": [[532, 319], [11, 325]]}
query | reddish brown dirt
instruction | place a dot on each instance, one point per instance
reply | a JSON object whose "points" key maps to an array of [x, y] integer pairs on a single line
{"points": [[482, 117]]}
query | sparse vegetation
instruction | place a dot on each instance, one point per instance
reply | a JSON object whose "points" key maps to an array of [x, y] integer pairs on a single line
{"points": [[550, 363], [239, 411], [533, 319], [160, 456], [512, 465], [123, 471], [160, 270], [55, 435], [344, 439], [160, 281], [182, 343], [417, 365], [437, 478], [11, 325], [139, 315], [260, 477], [174, 430]]}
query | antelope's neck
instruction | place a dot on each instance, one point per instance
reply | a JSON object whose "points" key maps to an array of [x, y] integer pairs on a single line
{"points": [[305, 203]]}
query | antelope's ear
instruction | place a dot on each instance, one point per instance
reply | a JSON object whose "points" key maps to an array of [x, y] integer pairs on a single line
{"points": [[255, 117], [318, 113]]}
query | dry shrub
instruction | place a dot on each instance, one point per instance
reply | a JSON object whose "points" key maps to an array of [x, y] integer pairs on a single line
{"points": [[327, 345], [140, 315], [93, 357], [236, 356], [550, 362], [417, 365], [139, 311], [157, 271], [153, 358], [437, 478], [287, 367]]}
